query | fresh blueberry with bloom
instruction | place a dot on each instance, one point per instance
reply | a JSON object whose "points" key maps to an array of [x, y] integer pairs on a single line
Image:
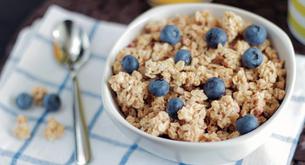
{"points": [[158, 87], [252, 58], [255, 34], [214, 88], [173, 106], [183, 55], [246, 124], [24, 101], [170, 34], [51, 102], [215, 36], [130, 63]]}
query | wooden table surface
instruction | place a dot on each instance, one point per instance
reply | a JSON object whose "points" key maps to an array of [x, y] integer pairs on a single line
{"points": [[124, 11]]}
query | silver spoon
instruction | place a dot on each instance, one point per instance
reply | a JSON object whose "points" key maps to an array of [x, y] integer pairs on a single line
{"points": [[71, 49]]}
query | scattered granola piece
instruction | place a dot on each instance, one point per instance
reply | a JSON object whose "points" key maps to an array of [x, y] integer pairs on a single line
{"points": [[22, 130], [38, 94], [53, 130]]}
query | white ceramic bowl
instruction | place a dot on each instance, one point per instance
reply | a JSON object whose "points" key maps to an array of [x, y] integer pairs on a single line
{"points": [[209, 152]]}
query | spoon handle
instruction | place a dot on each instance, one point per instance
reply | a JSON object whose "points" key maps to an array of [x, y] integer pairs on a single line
{"points": [[83, 153]]}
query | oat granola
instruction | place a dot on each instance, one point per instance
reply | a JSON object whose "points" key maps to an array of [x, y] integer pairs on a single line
{"points": [[257, 91], [22, 129], [38, 93], [53, 130]]}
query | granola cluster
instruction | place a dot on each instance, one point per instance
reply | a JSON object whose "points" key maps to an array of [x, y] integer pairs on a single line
{"points": [[54, 130], [38, 94], [256, 91], [22, 129]]}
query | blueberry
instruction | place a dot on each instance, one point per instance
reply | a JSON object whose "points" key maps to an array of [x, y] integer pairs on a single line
{"points": [[246, 124], [214, 88], [24, 101], [252, 58], [130, 63], [173, 106], [255, 34], [51, 102], [183, 55], [158, 87], [170, 34], [215, 36]]}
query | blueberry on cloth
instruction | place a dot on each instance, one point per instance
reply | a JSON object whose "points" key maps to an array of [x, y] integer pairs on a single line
{"points": [[130, 63], [252, 58], [158, 87], [255, 34], [24, 101], [246, 124], [170, 34], [183, 55], [51, 102], [173, 106], [215, 36], [214, 88]]}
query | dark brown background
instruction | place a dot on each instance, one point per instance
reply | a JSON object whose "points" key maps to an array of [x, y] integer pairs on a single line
{"points": [[125, 11]]}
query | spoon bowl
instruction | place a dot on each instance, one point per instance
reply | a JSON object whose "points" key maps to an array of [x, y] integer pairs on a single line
{"points": [[71, 45]]}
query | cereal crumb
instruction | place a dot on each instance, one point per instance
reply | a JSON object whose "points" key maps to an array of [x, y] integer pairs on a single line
{"points": [[38, 94], [22, 130], [53, 130]]}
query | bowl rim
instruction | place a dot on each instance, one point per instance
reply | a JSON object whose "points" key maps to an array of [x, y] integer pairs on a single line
{"points": [[114, 112]]}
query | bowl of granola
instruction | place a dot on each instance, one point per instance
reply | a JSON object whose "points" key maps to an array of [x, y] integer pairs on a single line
{"points": [[199, 83]]}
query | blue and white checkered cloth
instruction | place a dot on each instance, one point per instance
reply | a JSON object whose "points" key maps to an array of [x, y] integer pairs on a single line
{"points": [[31, 64]]}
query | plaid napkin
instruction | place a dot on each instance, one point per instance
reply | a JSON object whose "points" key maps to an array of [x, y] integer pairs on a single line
{"points": [[31, 64]]}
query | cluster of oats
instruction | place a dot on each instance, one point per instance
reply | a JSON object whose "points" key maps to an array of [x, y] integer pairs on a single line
{"points": [[54, 130], [22, 129], [38, 93], [248, 91]]}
